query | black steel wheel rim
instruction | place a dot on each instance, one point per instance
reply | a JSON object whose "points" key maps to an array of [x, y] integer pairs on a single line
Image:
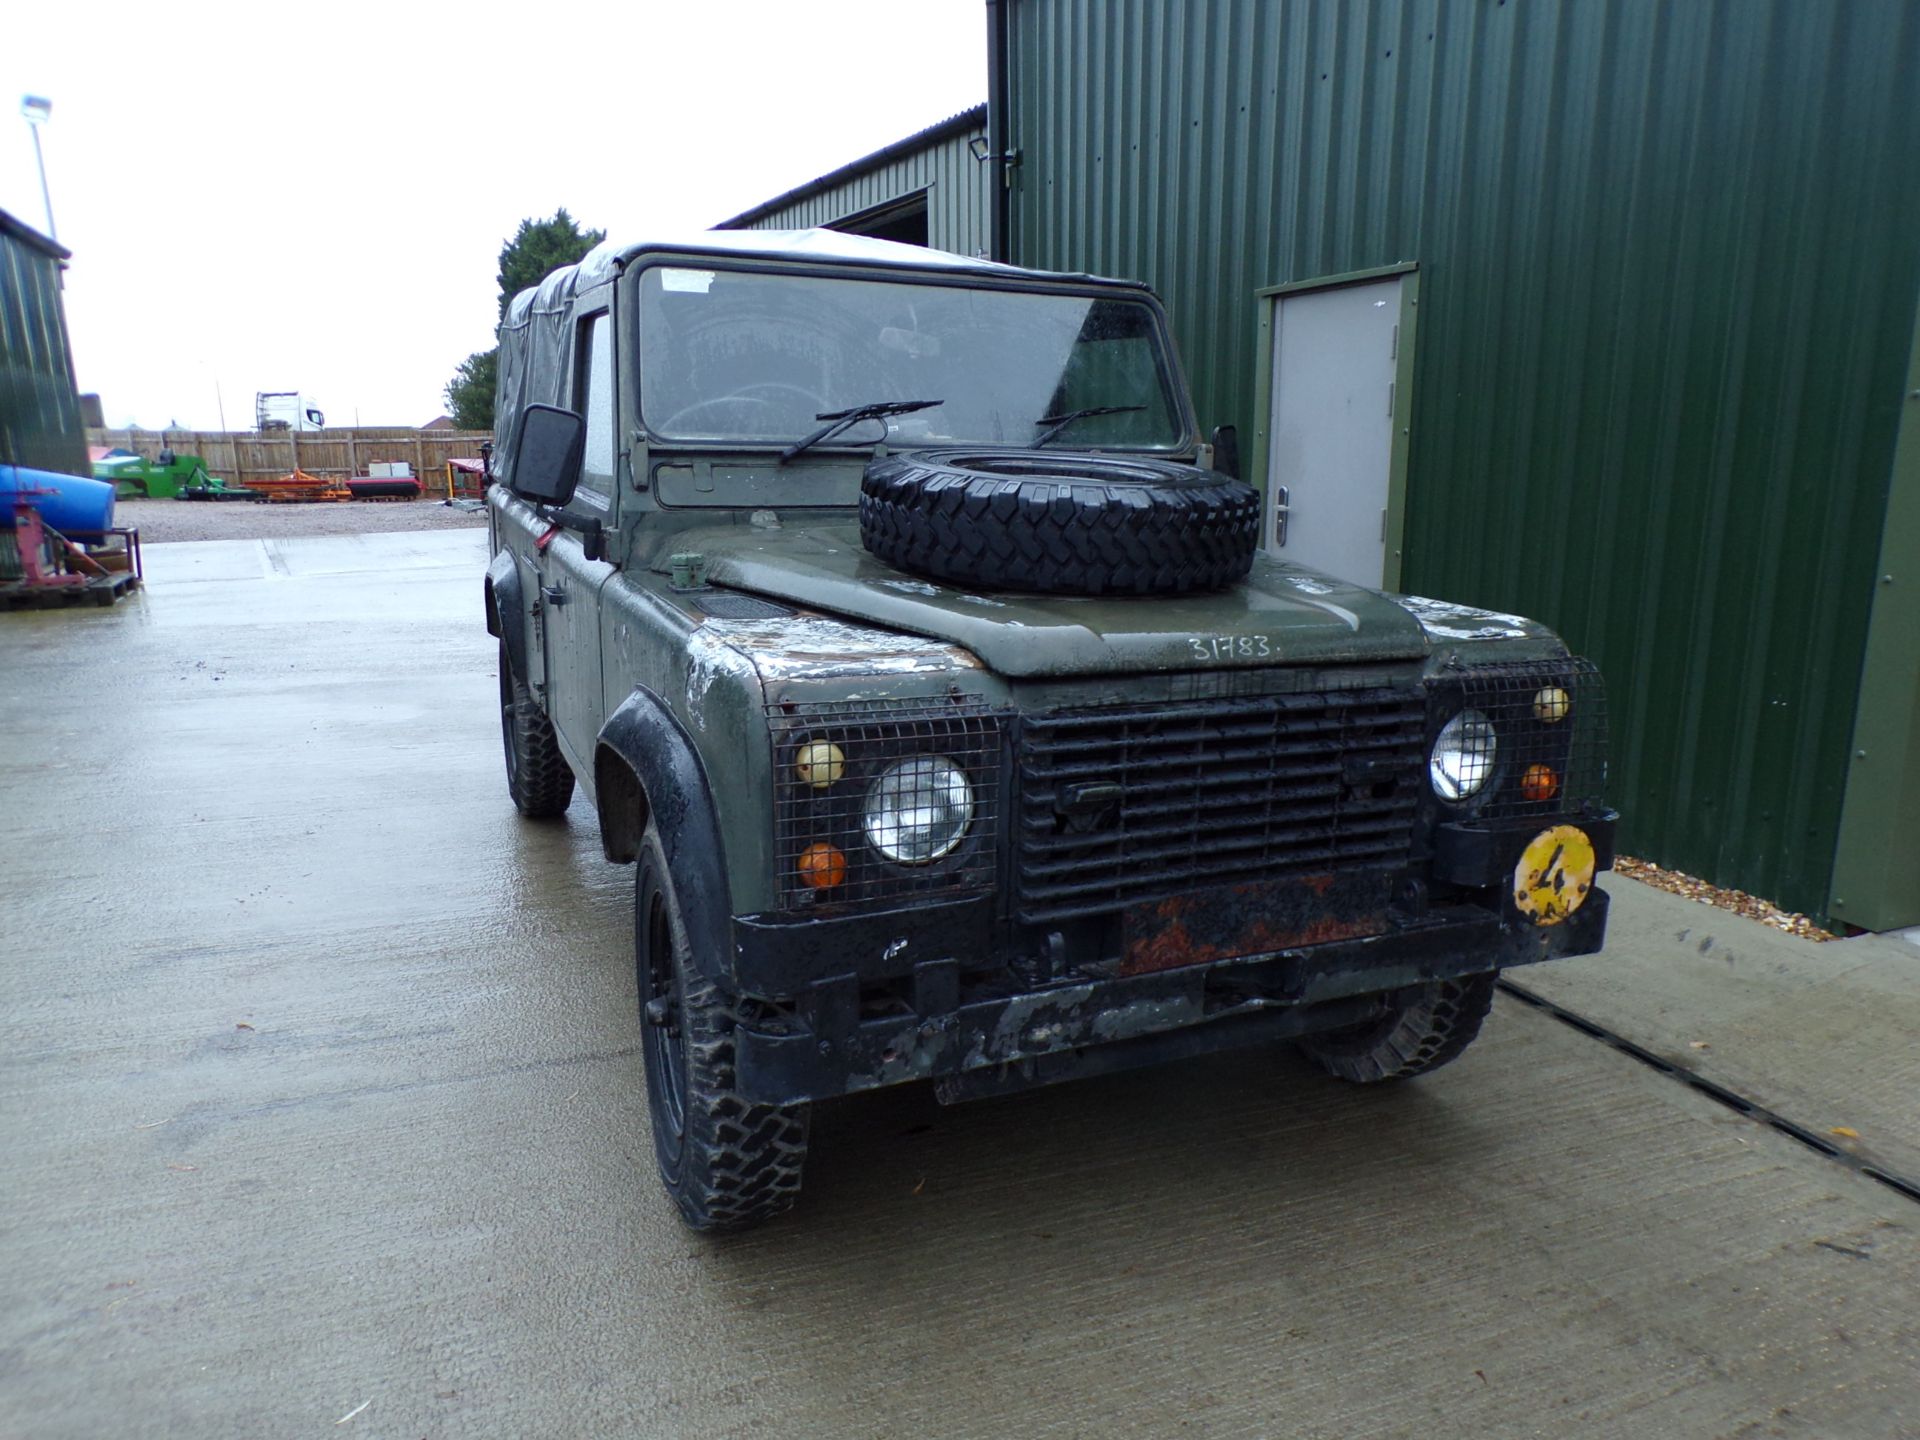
{"points": [[665, 1043], [507, 715]]}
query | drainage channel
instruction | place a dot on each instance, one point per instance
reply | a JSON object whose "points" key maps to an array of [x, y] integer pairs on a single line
{"points": [[1732, 1099]]}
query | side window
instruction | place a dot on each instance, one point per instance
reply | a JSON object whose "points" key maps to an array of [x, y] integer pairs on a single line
{"points": [[594, 395]]}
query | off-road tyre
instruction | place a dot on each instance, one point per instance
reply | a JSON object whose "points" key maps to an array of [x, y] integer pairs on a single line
{"points": [[727, 1163], [537, 775], [1422, 1034], [1059, 524]]}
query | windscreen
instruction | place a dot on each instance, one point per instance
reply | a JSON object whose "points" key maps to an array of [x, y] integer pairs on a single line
{"points": [[755, 357]]}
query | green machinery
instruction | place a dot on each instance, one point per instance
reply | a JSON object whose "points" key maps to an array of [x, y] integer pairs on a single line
{"points": [[167, 477]]}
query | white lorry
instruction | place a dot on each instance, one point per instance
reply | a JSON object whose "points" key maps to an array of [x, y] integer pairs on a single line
{"points": [[286, 410]]}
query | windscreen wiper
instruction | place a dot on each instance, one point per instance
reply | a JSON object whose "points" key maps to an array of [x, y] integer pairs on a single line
{"points": [[1057, 423], [838, 420]]}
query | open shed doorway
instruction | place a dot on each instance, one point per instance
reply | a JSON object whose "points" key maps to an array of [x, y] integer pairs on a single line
{"points": [[903, 220]]}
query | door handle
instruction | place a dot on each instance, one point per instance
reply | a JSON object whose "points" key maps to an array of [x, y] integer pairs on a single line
{"points": [[553, 595], [1281, 509]]}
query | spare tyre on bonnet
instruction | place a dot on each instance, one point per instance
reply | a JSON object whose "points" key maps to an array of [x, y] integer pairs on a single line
{"points": [[887, 608], [1060, 524]]}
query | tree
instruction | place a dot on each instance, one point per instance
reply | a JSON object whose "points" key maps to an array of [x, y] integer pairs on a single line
{"points": [[470, 392], [537, 248]]}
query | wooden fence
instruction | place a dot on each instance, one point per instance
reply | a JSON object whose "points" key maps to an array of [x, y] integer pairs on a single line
{"points": [[243, 456]]}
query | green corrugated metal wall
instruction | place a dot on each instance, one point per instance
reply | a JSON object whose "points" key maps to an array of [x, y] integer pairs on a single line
{"points": [[954, 181], [40, 422], [1669, 259]]}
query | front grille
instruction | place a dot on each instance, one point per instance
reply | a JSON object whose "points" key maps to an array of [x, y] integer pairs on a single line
{"points": [[819, 810], [1128, 805]]}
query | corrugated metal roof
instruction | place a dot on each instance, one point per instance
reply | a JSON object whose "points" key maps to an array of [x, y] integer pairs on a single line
{"points": [[1669, 258], [964, 122]]}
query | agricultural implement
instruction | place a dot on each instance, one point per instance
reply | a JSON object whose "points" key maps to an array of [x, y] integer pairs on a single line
{"points": [[163, 478], [385, 480], [40, 566], [300, 486], [212, 487], [466, 479]]}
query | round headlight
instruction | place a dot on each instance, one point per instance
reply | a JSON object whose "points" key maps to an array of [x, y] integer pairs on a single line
{"points": [[919, 810], [1462, 759]]}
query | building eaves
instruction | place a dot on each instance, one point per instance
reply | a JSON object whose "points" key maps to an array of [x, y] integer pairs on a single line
{"points": [[920, 140], [20, 230]]}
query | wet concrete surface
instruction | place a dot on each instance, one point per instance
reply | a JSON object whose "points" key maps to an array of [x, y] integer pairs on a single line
{"points": [[319, 1089]]}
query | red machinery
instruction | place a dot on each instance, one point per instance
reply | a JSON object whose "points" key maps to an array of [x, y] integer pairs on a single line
{"points": [[40, 566]]}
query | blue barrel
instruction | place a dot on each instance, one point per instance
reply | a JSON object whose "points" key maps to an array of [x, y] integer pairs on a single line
{"points": [[66, 502]]}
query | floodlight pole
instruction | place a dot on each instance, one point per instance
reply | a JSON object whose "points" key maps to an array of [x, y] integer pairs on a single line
{"points": [[36, 111], [46, 199]]}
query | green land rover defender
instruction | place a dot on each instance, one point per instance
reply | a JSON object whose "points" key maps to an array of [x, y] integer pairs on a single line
{"points": [[893, 615]]}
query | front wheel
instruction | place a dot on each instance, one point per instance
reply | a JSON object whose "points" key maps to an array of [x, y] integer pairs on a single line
{"points": [[728, 1163], [1418, 1035], [537, 775]]}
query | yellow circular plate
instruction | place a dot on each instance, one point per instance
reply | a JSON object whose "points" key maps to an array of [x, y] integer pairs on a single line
{"points": [[1554, 874]]}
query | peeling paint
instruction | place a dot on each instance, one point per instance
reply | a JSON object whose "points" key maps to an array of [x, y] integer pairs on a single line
{"points": [[911, 587], [1308, 585], [1434, 616], [709, 659], [810, 647]]}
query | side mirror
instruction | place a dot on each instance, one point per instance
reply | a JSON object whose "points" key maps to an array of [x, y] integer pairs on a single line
{"points": [[548, 446], [1226, 450]]}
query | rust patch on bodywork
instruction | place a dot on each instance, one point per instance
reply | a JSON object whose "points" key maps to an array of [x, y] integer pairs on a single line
{"points": [[1253, 919]]}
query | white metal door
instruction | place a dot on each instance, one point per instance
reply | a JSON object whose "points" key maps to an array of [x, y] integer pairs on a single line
{"points": [[1331, 427]]}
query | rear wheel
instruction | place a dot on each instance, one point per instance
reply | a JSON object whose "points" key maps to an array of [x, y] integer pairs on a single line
{"points": [[1418, 1035], [537, 775], [728, 1163]]}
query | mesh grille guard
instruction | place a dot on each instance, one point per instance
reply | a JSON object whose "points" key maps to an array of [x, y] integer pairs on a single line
{"points": [[820, 807], [1542, 764]]}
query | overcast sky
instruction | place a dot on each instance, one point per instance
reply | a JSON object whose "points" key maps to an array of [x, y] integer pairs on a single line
{"points": [[313, 197]]}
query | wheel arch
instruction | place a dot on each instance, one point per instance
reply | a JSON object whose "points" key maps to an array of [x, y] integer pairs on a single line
{"points": [[646, 769], [504, 598]]}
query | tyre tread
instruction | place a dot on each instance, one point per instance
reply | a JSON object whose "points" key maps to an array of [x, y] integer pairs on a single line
{"points": [[744, 1162], [1424, 1034], [1185, 530], [540, 781]]}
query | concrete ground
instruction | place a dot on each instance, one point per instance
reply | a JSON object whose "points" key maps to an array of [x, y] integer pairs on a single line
{"points": [[323, 1114]]}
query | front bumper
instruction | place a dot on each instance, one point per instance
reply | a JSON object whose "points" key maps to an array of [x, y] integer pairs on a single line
{"points": [[990, 1045]]}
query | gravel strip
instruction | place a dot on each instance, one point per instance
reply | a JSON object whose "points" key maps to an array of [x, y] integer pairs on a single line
{"points": [[1736, 901], [161, 521]]}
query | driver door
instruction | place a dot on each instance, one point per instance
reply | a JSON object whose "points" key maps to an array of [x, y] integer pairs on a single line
{"points": [[570, 584]]}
